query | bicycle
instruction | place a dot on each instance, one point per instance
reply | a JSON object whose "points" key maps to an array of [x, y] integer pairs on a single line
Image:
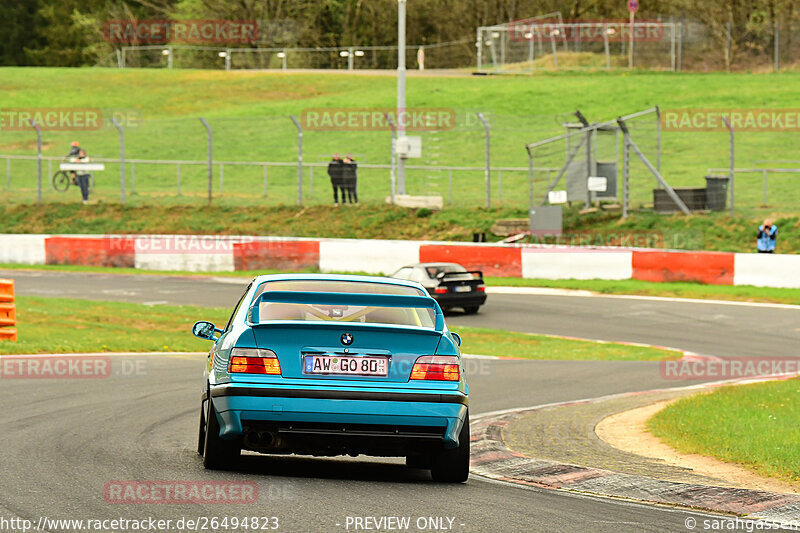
{"points": [[62, 179]]}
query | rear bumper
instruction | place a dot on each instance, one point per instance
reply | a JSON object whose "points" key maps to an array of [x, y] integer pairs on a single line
{"points": [[365, 413], [468, 299]]}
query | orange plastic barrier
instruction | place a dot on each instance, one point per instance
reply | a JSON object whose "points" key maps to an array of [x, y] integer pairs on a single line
{"points": [[8, 311]]}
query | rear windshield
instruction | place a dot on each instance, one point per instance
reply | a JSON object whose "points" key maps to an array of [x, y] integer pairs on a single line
{"points": [[447, 269], [401, 316]]}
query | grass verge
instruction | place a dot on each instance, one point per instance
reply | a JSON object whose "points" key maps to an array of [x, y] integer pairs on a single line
{"points": [[62, 325], [753, 425], [743, 293]]}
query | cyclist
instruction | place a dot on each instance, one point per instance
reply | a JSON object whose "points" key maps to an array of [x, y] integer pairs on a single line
{"points": [[74, 152]]}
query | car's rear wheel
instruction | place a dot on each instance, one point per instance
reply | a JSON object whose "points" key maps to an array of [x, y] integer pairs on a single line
{"points": [[472, 309], [218, 454], [201, 432], [452, 466]]}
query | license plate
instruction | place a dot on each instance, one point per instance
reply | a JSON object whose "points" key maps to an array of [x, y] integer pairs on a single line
{"points": [[352, 366], [463, 288]]}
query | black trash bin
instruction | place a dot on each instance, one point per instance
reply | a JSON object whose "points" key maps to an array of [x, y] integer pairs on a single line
{"points": [[717, 192]]}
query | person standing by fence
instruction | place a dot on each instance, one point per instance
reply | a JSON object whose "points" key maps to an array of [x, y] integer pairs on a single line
{"points": [[351, 178], [83, 177], [336, 173], [767, 237]]}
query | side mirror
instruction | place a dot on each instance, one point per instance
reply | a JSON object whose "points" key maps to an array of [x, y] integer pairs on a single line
{"points": [[456, 337], [205, 330]]}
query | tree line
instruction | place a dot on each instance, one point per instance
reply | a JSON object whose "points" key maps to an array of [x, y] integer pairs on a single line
{"points": [[70, 32]]}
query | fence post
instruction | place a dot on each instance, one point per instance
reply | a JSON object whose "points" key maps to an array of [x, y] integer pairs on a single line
{"points": [[227, 59], [626, 162], [553, 47], [605, 47], [299, 159], [38, 160], [680, 45], [121, 159], [210, 158], [658, 139], [488, 167], [732, 160], [170, 55]]}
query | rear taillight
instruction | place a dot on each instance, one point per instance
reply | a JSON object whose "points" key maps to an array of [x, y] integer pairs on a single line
{"points": [[481, 288], [436, 367], [254, 361], [440, 290]]}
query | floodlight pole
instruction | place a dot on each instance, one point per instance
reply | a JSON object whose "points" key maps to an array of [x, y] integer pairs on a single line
{"points": [[38, 160], [210, 159], [401, 90], [122, 159]]}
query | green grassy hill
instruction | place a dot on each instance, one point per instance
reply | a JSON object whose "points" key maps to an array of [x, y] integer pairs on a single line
{"points": [[249, 115]]}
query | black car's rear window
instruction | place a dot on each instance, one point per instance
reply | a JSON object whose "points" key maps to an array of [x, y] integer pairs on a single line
{"points": [[434, 270]]}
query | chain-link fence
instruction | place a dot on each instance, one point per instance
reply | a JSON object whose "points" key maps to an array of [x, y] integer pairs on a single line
{"points": [[446, 55], [550, 43], [255, 159]]}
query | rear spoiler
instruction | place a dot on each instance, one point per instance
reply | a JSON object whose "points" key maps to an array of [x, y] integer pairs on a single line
{"points": [[347, 298], [476, 274]]}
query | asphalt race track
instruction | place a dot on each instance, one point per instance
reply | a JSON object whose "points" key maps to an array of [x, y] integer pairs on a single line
{"points": [[63, 440]]}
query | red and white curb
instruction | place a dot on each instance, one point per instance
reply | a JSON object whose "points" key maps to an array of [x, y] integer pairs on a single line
{"points": [[209, 253], [491, 458]]}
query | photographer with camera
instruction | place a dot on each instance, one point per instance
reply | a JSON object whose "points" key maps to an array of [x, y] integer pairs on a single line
{"points": [[767, 237]]}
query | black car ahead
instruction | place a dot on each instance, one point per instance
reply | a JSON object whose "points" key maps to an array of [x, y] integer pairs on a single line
{"points": [[450, 284]]}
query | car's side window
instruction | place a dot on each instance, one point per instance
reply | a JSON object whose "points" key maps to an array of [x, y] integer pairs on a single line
{"points": [[403, 273], [238, 305], [418, 274]]}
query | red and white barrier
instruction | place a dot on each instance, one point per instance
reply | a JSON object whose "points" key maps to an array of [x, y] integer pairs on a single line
{"points": [[227, 253]]}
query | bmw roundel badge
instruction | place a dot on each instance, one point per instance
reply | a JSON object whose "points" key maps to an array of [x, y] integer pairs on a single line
{"points": [[347, 339]]}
